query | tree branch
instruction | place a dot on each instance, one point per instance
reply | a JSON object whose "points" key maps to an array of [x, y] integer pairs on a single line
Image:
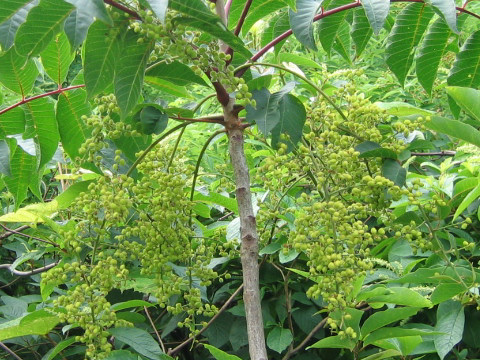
{"points": [[28, 273], [24, 101], [13, 231], [240, 22], [213, 120], [26, 235], [437, 153], [306, 340], [123, 8]]}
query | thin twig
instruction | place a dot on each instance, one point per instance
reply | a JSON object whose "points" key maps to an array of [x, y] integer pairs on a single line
{"points": [[28, 273], [11, 231], [5, 347], [203, 120], [24, 101], [123, 8], [306, 340], [240, 22], [222, 309], [154, 328], [437, 153]]}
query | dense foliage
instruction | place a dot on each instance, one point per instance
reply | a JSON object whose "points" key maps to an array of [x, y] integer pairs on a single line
{"points": [[158, 159]]}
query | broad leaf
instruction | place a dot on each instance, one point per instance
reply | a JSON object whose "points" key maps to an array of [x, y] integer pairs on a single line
{"points": [[333, 342], [409, 27], [450, 321], [95, 8], [455, 128], [57, 57], [76, 27], [292, 118], [468, 99], [153, 120], [342, 41], [129, 72], [395, 295], [100, 55], [470, 198], [377, 12], [140, 340], [219, 354], [59, 348], [167, 87], [446, 291], [8, 8], [447, 10], [12, 122], [330, 25], [301, 21], [175, 72], [297, 60], [39, 28], [392, 170], [371, 149], [121, 355], [278, 339], [382, 318], [260, 9], [393, 332], [42, 127], [159, 7], [17, 73], [4, 158], [466, 68], [361, 31], [39, 322], [9, 28], [71, 106]]}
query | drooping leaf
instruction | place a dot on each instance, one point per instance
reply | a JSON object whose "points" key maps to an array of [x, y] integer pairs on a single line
{"points": [[39, 322], [8, 8], [446, 291], [42, 127], [76, 27], [62, 345], [167, 87], [22, 165], [471, 197], [219, 354], [361, 31], [71, 106], [279, 26], [466, 68], [159, 7], [259, 9], [342, 41], [330, 25], [267, 113], [447, 10], [386, 317], [392, 170], [301, 21], [450, 321], [17, 73], [101, 52], [371, 149], [39, 29], [12, 122], [139, 340], [377, 12], [57, 57], [468, 99], [455, 128], [278, 339], [94, 8], [291, 121], [395, 295], [4, 158], [175, 72], [333, 342], [394, 332], [9, 27], [297, 60], [430, 53], [200, 17], [153, 120], [409, 27]]}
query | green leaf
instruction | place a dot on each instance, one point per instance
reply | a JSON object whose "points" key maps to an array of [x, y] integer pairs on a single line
{"points": [[167, 87], [333, 342], [446, 291], [71, 106], [76, 27], [260, 9], [302, 21], [399, 109], [448, 11], [121, 355], [431, 52], [139, 340], [390, 353], [200, 17], [468, 99], [62, 345], [9, 28], [153, 120], [159, 7], [361, 30], [42, 127], [94, 8], [214, 198], [382, 318], [450, 321], [297, 60], [278, 339], [394, 332], [129, 72], [219, 354], [392, 170], [470, 198], [57, 57], [130, 304], [377, 12], [175, 73], [22, 166], [100, 54], [342, 41], [409, 27], [39, 322], [292, 119], [39, 29], [372, 149], [267, 113], [4, 158], [397, 296], [330, 26], [455, 129], [466, 68], [17, 73], [8, 8], [259, 82]]}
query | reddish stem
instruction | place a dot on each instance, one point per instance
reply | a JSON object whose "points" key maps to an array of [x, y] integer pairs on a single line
{"points": [[228, 5], [24, 101], [242, 17], [123, 8]]}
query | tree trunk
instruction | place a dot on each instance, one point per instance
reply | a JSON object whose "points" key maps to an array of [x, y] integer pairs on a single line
{"points": [[249, 236]]}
